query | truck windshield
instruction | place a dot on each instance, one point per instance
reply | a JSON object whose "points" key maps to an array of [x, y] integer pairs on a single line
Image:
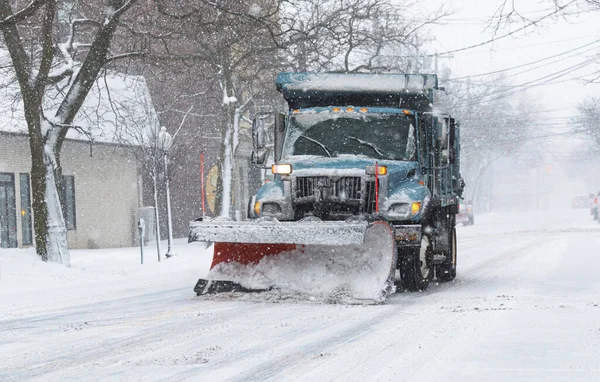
{"points": [[380, 136]]}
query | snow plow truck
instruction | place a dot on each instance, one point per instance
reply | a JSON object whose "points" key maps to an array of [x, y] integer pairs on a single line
{"points": [[365, 182]]}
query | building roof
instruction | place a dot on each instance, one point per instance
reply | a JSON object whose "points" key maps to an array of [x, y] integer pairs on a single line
{"points": [[118, 108]]}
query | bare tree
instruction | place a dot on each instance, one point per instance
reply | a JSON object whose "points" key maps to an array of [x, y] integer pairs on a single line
{"points": [[239, 46], [491, 127], [234, 44], [355, 35], [39, 60], [587, 122]]}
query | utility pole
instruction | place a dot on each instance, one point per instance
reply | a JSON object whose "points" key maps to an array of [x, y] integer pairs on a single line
{"points": [[436, 58], [164, 144]]}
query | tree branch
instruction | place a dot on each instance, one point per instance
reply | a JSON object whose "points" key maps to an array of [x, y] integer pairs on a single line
{"points": [[47, 49], [94, 62], [24, 13], [117, 57], [20, 60]]}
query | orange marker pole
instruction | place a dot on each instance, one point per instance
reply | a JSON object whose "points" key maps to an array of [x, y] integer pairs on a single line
{"points": [[376, 187], [202, 180]]}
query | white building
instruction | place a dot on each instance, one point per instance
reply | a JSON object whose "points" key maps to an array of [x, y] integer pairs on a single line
{"points": [[102, 175]]}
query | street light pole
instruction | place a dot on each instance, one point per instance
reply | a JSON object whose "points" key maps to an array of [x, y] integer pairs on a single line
{"points": [[169, 219], [165, 140], [156, 216]]}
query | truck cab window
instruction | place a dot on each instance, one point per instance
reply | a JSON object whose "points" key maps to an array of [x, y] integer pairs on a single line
{"points": [[376, 135]]}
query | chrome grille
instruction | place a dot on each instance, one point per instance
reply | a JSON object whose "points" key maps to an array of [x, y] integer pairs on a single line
{"points": [[305, 186], [343, 188], [370, 197], [348, 188]]}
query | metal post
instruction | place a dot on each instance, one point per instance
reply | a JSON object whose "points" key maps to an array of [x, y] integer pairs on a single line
{"points": [[163, 143], [169, 219], [202, 181], [376, 187], [156, 213], [142, 229]]}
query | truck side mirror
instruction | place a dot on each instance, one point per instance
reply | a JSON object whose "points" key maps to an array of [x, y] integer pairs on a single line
{"points": [[279, 133], [443, 135], [261, 124], [452, 141]]}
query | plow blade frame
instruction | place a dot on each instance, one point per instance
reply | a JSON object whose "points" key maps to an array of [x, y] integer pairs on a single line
{"points": [[269, 232], [314, 257]]}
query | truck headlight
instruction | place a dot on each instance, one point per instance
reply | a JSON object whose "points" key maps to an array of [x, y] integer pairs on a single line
{"points": [[257, 208], [415, 207], [404, 210], [283, 169], [381, 170], [271, 208], [399, 210]]}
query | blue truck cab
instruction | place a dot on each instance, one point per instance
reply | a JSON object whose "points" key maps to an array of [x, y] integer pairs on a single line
{"points": [[366, 146]]}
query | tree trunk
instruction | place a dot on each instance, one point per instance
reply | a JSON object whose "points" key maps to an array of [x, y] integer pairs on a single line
{"points": [[56, 242], [38, 190], [227, 168], [48, 219], [46, 139], [226, 153]]}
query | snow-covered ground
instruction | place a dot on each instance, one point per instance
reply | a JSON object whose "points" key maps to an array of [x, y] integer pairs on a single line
{"points": [[525, 306]]}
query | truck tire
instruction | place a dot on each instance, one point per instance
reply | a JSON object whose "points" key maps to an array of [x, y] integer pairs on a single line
{"points": [[390, 285], [447, 270], [415, 269]]}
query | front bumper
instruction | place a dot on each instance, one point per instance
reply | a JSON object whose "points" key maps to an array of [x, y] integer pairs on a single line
{"points": [[408, 235]]}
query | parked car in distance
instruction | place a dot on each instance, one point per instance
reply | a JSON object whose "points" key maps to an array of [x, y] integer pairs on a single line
{"points": [[465, 214]]}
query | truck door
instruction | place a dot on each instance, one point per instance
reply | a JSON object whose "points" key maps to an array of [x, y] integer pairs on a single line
{"points": [[425, 128]]}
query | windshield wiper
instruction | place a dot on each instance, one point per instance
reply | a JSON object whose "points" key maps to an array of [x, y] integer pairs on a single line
{"points": [[371, 145], [325, 148]]}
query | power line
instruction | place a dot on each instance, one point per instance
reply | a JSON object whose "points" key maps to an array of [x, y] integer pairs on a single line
{"points": [[508, 87], [485, 20], [530, 63], [527, 46], [543, 111], [527, 85], [493, 39]]}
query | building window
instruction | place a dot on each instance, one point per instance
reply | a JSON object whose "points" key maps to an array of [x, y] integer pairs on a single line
{"points": [[25, 193], [68, 183], [8, 213]]}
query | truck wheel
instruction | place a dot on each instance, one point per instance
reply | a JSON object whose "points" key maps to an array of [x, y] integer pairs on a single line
{"points": [[447, 270], [415, 269], [390, 286]]}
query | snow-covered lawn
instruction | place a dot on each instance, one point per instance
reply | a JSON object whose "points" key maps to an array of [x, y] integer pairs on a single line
{"points": [[28, 285]]}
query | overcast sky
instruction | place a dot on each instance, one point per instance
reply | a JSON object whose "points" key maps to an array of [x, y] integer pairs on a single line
{"points": [[468, 25], [564, 86]]}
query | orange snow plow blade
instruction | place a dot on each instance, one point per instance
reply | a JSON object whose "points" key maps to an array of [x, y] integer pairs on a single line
{"points": [[356, 259], [246, 253]]}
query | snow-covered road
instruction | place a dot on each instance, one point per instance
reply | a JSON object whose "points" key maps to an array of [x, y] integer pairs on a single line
{"points": [[525, 306]]}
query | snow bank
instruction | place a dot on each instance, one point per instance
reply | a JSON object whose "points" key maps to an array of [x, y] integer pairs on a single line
{"points": [[99, 274]]}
